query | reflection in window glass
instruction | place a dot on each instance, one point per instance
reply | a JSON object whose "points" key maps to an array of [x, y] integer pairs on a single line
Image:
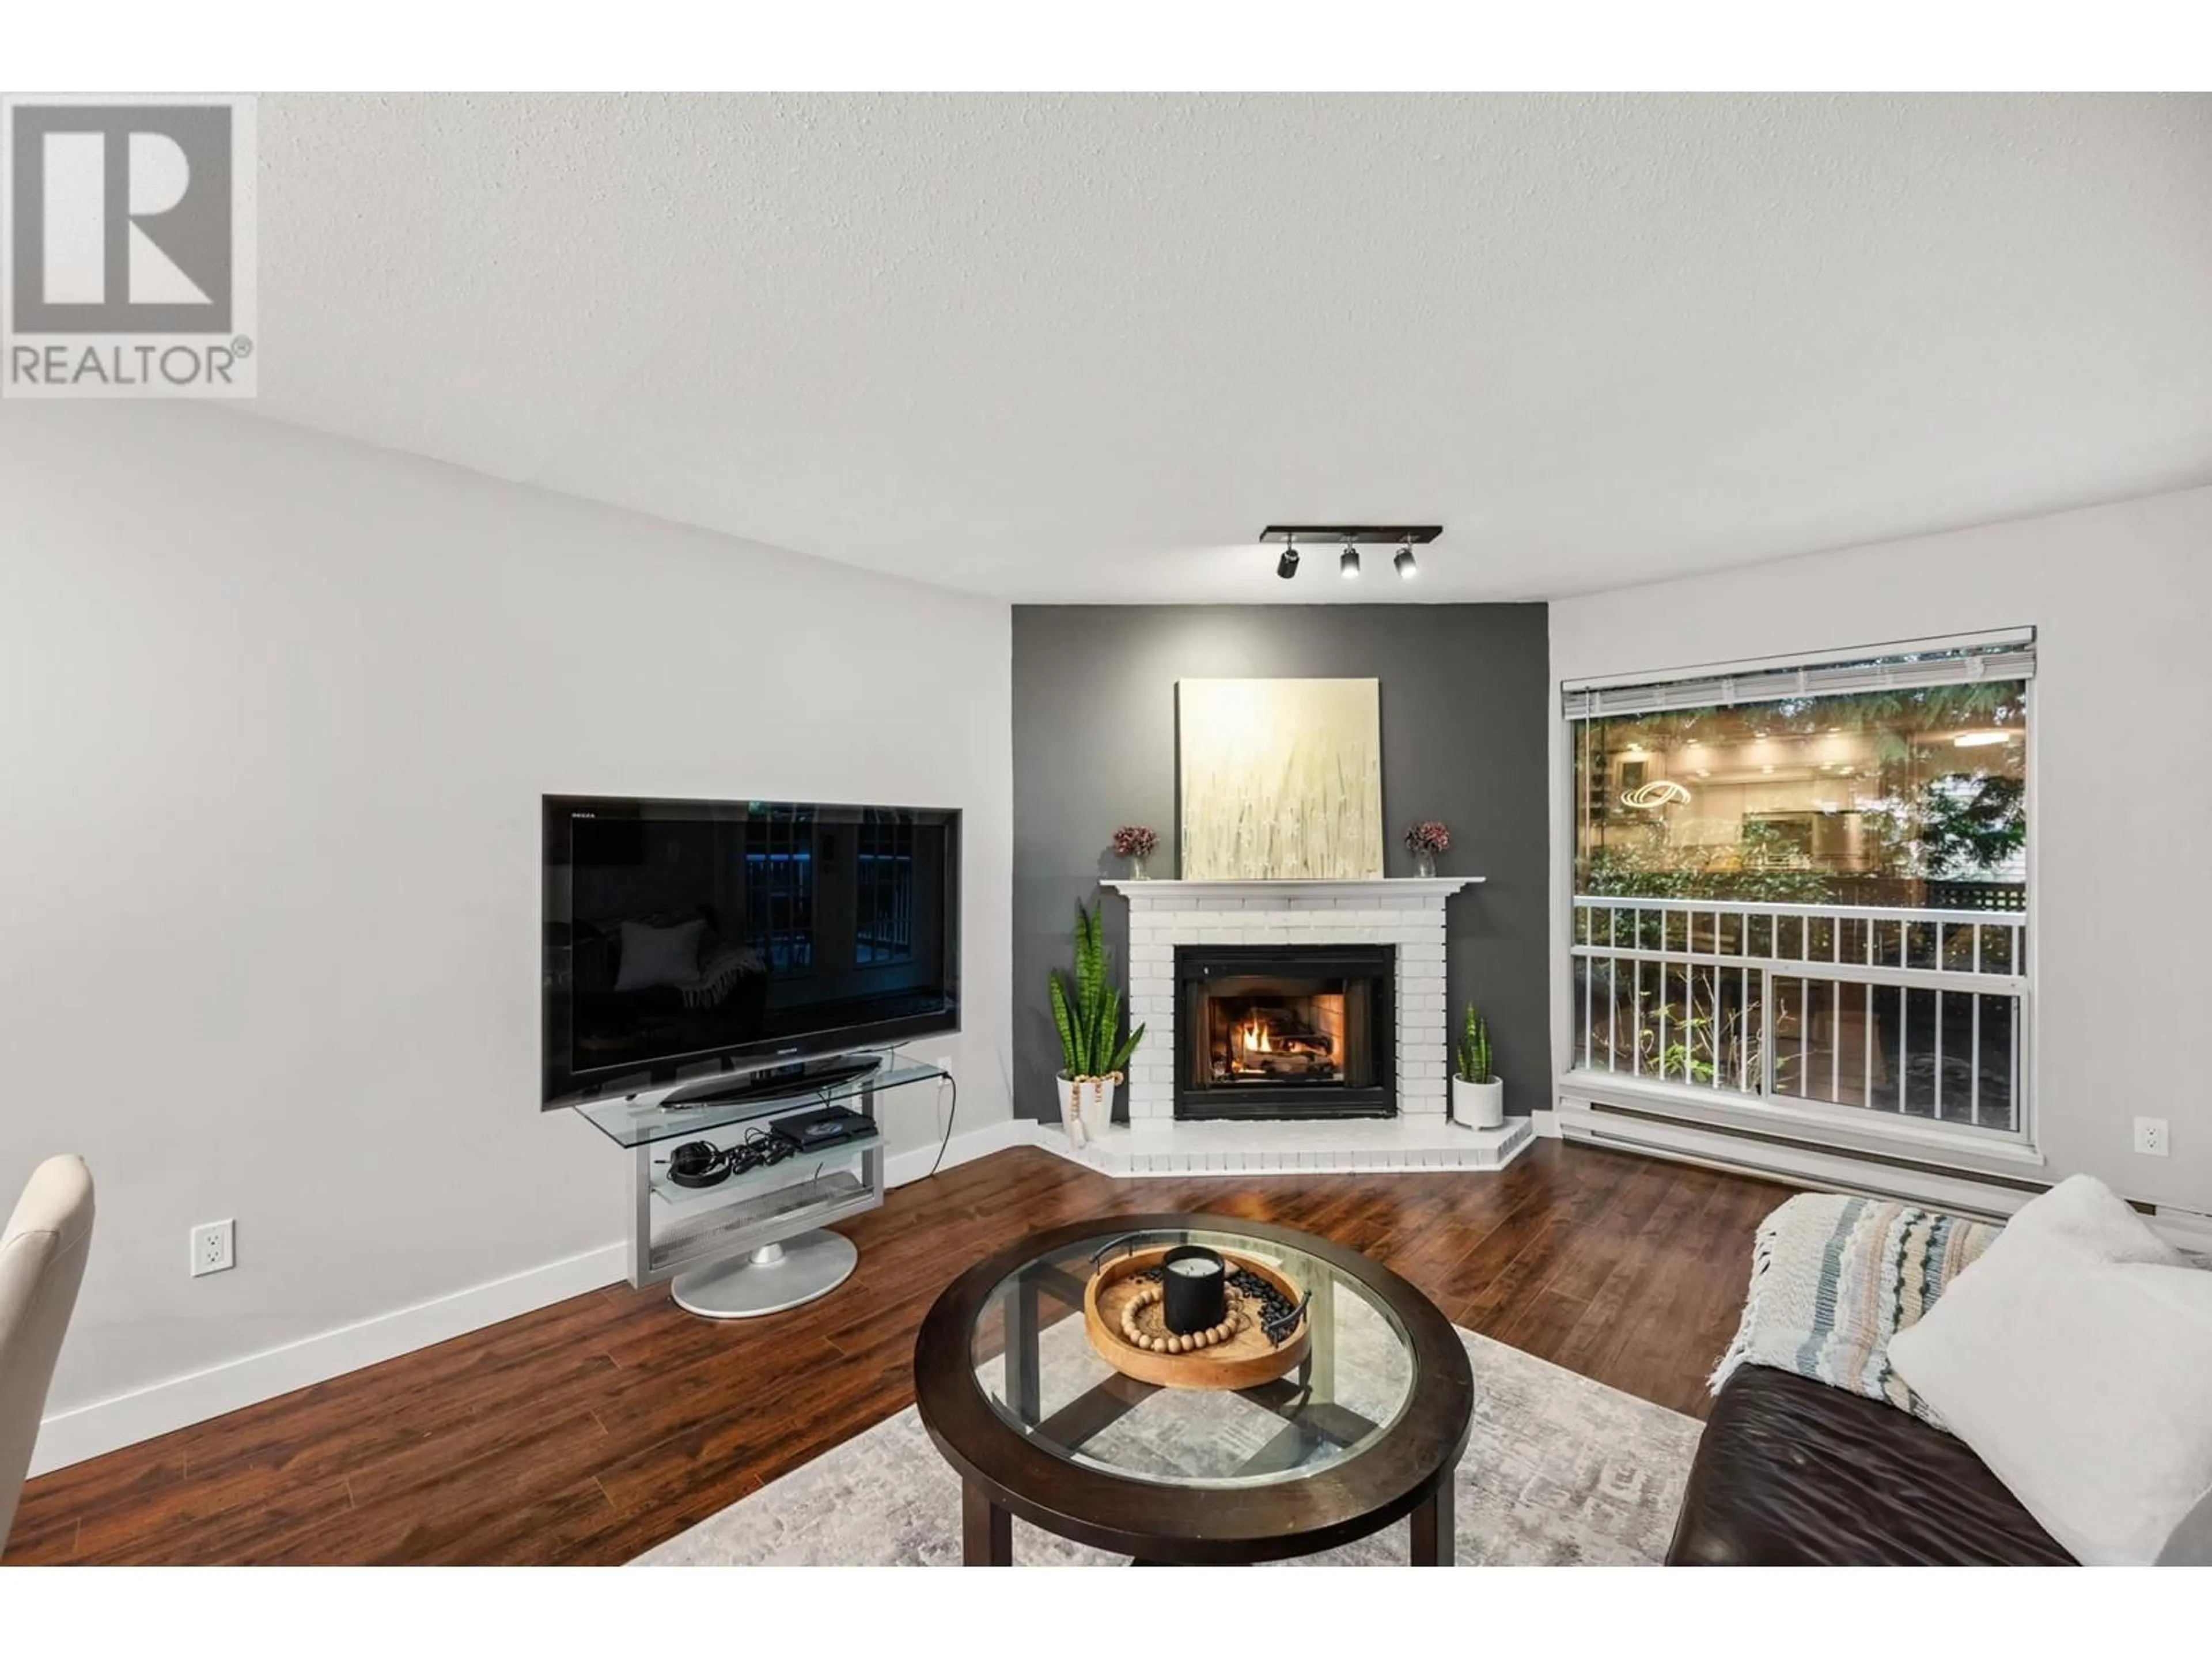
{"points": [[1896, 799], [883, 910]]}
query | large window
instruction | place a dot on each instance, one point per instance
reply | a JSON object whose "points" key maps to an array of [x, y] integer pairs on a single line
{"points": [[1809, 884]]}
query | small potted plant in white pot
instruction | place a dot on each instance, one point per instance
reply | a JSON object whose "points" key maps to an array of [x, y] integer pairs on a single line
{"points": [[1478, 1097], [1087, 1013]]}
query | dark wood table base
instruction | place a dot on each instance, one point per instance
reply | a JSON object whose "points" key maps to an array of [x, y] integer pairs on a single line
{"points": [[1433, 1524], [987, 1531]]}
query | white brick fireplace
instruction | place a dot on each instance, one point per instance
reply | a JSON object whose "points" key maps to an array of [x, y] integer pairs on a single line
{"points": [[1407, 915]]}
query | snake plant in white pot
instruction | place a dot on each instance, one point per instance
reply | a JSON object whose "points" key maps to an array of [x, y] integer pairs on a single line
{"points": [[1478, 1097], [1086, 1010]]}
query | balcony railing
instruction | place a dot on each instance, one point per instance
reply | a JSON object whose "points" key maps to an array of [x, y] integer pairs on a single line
{"points": [[1910, 1012]]}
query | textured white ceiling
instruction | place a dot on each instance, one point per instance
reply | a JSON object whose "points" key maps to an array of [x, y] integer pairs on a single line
{"points": [[1082, 347]]}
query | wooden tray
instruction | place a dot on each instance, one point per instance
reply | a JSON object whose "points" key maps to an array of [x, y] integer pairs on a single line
{"points": [[1244, 1361]]}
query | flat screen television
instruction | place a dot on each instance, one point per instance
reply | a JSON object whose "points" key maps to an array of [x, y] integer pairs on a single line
{"points": [[687, 937]]}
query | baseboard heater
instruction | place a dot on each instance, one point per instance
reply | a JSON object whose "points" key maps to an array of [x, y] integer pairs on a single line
{"points": [[1825, 1149], [1753, 1151], [1739, 1151]]}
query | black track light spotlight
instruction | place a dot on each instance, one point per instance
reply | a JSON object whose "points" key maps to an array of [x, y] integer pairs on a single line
{"points": [[1352, 537]]}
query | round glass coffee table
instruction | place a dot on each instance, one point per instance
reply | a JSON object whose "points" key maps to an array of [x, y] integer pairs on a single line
{"points": [[1368, 1428]]}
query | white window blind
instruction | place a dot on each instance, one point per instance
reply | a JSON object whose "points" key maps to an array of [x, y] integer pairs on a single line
{"points": [[1898, 668]]}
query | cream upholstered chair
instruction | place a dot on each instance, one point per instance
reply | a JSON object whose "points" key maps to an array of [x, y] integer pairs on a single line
{"points": [[41, 1263]]}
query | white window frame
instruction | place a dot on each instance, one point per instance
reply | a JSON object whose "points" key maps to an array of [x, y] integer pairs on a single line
{"points": [[1847, 1128]]}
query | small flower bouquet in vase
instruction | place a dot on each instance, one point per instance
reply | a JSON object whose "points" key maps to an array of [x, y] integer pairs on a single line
{"points": [[1136, 843], [1425, 840]]}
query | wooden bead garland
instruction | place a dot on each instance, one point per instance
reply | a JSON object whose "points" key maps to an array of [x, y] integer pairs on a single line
{"points": [[1146, 1297]]}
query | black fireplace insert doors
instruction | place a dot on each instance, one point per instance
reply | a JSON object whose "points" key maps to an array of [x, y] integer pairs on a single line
{"points": [[1285, 1030]]}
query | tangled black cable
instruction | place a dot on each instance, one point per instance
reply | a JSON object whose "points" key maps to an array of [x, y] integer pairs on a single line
{"points": [[702, 1164], [950, 1112]]}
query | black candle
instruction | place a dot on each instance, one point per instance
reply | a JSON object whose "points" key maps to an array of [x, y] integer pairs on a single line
{"points": [[1195, 1289]]}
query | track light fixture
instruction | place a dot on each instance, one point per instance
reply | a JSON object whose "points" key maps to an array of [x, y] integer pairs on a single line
{"points": [[1353, 537]]}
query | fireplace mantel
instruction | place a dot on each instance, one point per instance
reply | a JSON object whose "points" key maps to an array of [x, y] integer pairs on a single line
{"points": [[1180, 894]]}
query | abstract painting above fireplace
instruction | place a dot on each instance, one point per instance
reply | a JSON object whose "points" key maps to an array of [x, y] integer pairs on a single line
{"points": [[1286, 1031], [1280, 778]]}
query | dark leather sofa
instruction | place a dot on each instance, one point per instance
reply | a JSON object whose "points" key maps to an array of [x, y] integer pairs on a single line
{"points": [[1793, 1472]]}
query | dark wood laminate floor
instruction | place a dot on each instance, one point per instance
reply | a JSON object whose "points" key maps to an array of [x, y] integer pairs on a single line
{"points": [[592, 1430]]}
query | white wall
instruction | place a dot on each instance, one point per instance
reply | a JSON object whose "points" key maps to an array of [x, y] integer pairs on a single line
{"points": [[276, 711], [2121, 736]]}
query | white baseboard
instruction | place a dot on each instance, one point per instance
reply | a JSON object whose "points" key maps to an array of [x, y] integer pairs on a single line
{"points": [[2185, 1230], [901, 1168], [70, 1437]]}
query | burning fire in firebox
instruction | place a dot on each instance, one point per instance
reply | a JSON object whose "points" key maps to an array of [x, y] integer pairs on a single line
{"points": [[1263, 1047]]}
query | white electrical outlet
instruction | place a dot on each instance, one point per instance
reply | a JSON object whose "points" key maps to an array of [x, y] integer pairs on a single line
{"points": [[214, 1247], [2150, 1137]]}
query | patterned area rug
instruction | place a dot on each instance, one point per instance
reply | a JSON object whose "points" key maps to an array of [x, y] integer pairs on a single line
{"points": [[1558, 1471]]}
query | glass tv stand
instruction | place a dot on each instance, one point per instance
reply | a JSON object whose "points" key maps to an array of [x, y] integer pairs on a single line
{"points": [[757, 1242]]}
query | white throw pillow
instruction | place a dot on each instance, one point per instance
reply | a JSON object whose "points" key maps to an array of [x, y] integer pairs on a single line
{"points": [[660, 955], [2075, 1358]]}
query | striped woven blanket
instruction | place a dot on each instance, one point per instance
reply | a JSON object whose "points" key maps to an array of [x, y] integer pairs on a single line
{"points": [[1832, 1279]]}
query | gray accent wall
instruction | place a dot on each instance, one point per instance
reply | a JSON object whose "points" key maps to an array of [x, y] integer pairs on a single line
{"points": [[1466, 719]]}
